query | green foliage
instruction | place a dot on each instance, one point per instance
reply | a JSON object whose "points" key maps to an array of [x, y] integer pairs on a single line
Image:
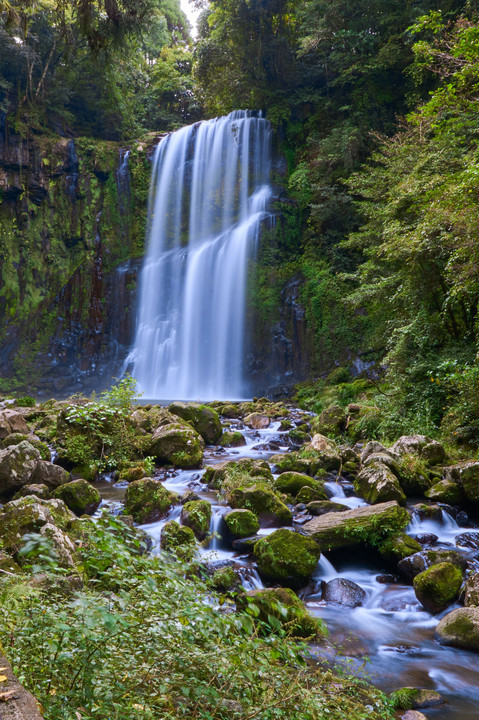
{"points": [[26, 401], [143, 644]]}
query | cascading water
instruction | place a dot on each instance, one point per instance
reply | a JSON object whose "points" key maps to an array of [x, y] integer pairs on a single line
{"points": [[208, 199]]}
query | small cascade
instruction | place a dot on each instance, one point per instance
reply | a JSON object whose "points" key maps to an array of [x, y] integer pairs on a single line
{"points": [[215, 528], [122, 175], [209, 198]]}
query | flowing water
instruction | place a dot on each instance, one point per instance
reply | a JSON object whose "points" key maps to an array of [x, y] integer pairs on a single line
{"points": [[390, 637], [209, 197]]}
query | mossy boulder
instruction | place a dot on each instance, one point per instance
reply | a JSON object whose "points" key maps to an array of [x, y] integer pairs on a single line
{"points": [[40, 491], [241, 523], [399, 546], [178, 540], [413, 475], [420, 561], [460, 628], [410, 444], [150, 418], [81, 497], [368, 525], [47, 473], [433, 453], [17, 438], [232, 439], [230, 411], [467, 476], [283, 605], [262, 501], [321, 507], [17, 464], [471, 591], [130, 474], [233, 473], [446, 491], [287, 557], [291, 483], [309, 494], [377, 484], [30, 514], [438, 587], [411, 698], [147, 500], [202, 418], [293, 462], [197, 516], [331, 421], [178, 445], [299, 437], [225, 579]]}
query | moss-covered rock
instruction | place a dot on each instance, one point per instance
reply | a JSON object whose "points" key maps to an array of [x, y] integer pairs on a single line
{"points": [[438, 587], [17, 438], [241, 523], [284, 605], [291, 483], [471, 591], [202, 418], [376, 484], [228, 410], [197, 516], [467, 476], [321, 507], [433, 453], [178, 445], [293, 462], [399, 546], [178, 540], [40, 491], [232, 439], [47, 473], [460, 628], [225, 579], [309, 494], [299, 437], [233, 473], [17, 464], [446, 491], [410, 444], [81, 497], [331, 421], [262, 501], [411, 698], [369, 524], [30, 514], [147, 500], [420, 561], [413, 475], [287, 557]]}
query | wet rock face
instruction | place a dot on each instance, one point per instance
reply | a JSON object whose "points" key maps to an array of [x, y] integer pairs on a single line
{"points": [[344, 592]]}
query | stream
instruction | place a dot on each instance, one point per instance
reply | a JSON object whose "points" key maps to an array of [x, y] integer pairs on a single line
{"points": [[389, 639]]}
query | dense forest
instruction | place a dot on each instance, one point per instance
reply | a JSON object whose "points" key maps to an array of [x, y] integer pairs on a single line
{"points": [[367, 280]]}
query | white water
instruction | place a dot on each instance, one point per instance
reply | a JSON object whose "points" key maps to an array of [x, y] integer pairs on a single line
{"points": [[208, 198]]}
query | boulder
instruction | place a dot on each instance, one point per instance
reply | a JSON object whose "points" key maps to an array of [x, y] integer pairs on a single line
{"points": [[410, 444], [344, 592], [232, 439], [17, 438], [291, 483], [382, 459], [376, 448], [287, 557], [178, 540], [309, 494], [460, 628], [399, 546], [321, 507], [467, 476], [12, 421], [471, 591], [30, 514], [262, 501], [433, 453], [420, 561], [147, 500], [352, 527], [413, 715], [284, 605], [238, 472], [225, 579], [256, 421], [63, 547], [230, 411], [241, 523], [47, 473], [320, 443], [293, 462], [446, 491], [376, 484], [40, 491], [197, 516], [438, 587], [17, 464], [178, 445], [81, 497], [202, 418], [468, 539], [331, 421]]}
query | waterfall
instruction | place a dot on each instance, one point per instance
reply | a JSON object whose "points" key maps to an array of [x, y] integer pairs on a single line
{"points": [[209, 196]]}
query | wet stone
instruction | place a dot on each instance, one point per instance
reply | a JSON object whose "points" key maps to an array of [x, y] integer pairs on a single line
{"points": [[344, 592], [426, 539], [469, 540], [387, 579]]}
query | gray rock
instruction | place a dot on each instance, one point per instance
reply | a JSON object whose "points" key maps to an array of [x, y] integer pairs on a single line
{"points": [[410, 444], [17, 464], [460, 628], [376, 483], [46, 473], [344, 592]]}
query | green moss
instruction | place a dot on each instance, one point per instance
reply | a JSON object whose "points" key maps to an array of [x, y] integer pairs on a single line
{"points": [[291, 483], [197, 516], [147, 500], [225, 579], [399, 546], [241, 523], [438, 586], [81, 497], [282, 605], [232, 439], [178, 540], [287, 557], [263, 502]]}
